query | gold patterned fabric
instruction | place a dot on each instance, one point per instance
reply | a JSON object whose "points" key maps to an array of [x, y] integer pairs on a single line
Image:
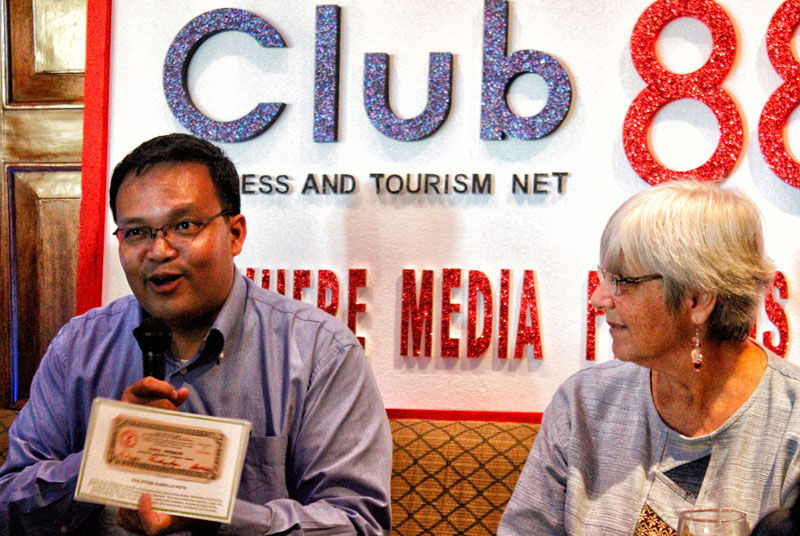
{"points": [[650, 524], [455, 477]]}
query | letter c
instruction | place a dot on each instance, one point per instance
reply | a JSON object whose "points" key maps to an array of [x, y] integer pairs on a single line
{"points": [[176, 68]]}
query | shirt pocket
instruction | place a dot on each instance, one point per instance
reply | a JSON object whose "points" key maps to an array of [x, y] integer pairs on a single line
{"points": [[264, 472]]}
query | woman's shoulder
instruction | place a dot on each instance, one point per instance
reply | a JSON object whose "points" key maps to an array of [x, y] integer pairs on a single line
{"points": [[783, 369], [782, 384], [606, 385], [613, 374]]}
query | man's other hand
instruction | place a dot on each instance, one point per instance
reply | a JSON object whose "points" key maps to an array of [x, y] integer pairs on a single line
{"points": [[146, 521]]}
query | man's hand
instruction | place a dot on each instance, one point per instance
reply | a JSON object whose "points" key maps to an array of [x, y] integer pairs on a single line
{"points": [[156, 393], [159, 394], [146, 521]]}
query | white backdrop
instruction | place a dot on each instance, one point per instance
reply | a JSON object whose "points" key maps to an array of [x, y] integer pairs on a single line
{"points": [[555, 234]]}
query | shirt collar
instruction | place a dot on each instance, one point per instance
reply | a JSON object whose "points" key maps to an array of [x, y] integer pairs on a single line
{"points": [[226, 326]]}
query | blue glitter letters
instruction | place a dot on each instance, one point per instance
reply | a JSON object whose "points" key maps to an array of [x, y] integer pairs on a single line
{"points": [[176, 68], [499, 70], [376, 98], [326, 75]]}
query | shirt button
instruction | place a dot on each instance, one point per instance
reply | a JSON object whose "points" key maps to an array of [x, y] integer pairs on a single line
{"points": [[184, 370]]}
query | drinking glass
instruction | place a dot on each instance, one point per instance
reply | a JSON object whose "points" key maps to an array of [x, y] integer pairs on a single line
{"points": [[713, 522]]}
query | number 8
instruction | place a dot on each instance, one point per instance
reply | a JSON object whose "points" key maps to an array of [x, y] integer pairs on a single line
{"points": [[786, 98], [704, 84]]}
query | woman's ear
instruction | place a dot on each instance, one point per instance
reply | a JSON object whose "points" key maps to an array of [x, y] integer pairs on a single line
{"points": [[701, 303]]}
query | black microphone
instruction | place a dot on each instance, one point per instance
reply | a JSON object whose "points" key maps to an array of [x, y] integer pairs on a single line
{"points": [[154, 338]]}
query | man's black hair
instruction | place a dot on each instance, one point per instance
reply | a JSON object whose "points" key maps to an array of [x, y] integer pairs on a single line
{"points": [[181, 148]]}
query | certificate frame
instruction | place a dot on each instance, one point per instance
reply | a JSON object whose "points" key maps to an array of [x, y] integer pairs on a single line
{"points": [[189, 464]]}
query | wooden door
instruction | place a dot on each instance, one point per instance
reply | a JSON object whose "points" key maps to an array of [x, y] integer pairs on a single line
{"points": [[43, 57]]}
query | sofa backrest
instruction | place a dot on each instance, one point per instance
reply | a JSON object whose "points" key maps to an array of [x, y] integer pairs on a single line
{"points": [[455, 477], [448, 477]]}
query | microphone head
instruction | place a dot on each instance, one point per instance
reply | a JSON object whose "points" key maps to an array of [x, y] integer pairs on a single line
{"points": [[154, 338], [153, 335]]}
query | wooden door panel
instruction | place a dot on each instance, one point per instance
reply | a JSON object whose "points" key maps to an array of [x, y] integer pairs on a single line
{"points": [[46, 61], [44, 262]]}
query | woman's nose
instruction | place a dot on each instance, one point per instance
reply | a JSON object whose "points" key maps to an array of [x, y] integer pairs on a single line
{"points": [[602, 297]]}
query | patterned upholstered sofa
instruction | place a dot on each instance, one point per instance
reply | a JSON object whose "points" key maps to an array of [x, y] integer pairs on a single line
{"points": [[448, 477], [455, 477]]}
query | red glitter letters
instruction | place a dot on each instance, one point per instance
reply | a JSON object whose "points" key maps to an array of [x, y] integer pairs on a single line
{"points": [[479, 283], [451, 278], [528, 333], [777, 315], [786, 98], [356, 280], [591, 317], [502, 322], [302, 280], [418, 312], [328, 282], [704, 84]]}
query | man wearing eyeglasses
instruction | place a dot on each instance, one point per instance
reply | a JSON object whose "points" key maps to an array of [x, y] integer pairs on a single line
{"points": [[319, 456]]}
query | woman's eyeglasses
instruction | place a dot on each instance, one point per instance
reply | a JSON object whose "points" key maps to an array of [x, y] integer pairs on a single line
{"points": [[618, 283]]}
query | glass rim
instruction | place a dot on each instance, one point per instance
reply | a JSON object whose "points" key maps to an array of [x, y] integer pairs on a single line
{"points": [[730, 514]]}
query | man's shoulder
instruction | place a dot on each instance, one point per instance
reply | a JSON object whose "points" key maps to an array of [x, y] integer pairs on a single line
{"points": [[266, 299], [114, 311], [87, 339], [295, 315], [125, 310]]}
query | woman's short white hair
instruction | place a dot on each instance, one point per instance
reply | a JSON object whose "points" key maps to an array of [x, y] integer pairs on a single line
{"points": [[698, 236]]}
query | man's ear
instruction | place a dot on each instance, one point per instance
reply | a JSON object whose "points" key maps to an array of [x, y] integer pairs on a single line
{"points": [[238, 232], [701, 303]]}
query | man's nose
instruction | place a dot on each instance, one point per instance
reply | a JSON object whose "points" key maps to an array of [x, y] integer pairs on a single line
{"points": [[159, 246]]}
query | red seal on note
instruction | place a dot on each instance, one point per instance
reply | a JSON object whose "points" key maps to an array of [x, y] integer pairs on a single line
{"points": [[128, 439]]}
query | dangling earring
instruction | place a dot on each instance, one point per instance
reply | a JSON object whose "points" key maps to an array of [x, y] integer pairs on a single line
{"points": [[697, 355]]}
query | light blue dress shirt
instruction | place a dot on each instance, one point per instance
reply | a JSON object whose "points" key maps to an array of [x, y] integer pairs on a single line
{"points": [[318, 459]]}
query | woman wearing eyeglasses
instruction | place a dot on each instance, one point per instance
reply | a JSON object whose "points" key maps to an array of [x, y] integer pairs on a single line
{"points": [[692, 413]]}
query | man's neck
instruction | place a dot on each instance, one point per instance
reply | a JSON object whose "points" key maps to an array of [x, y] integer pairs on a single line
{"points": [[186, 343]]}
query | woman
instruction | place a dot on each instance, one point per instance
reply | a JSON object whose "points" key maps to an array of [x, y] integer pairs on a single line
{"points": [[692, 413]]}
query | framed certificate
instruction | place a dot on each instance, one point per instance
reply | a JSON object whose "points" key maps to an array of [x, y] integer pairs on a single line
{"points": [[189, 464]]}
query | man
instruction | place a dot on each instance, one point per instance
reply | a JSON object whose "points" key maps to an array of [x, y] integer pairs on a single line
{"points": [[319, 455]]}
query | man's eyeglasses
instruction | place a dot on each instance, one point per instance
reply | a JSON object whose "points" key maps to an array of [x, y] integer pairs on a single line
{"points": [[619, 283], [177, 233]]}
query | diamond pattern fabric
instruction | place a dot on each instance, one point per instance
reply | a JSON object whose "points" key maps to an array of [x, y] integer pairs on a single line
{"points": [[455, 477]]}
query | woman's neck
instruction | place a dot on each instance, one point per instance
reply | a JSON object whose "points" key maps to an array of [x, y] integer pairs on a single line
{"points": [[696, 403]]}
